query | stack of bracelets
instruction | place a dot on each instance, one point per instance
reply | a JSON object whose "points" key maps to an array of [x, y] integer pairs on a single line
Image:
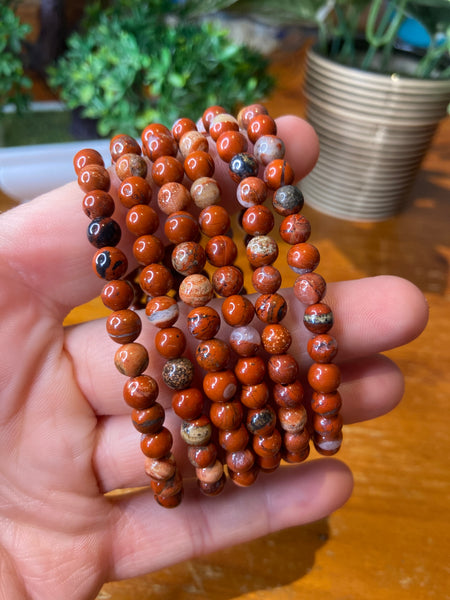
{"points": [[250, 413]]}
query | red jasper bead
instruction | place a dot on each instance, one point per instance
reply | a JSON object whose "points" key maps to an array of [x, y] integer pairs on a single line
{"points": [[196, 290], [142, 220], [221, 123], [117, 294], [192, 141], [131, 359], [211, 474], [251, 191], [318, 318], [153, 129], [214, 220], [278, 173], [134, 190], [148, 249], [123, 326], [170, 342], [160, 144], [93, 177], [156, 280], [221, 250], [140, 392], [268, 148], [295, 457], [85, 157], [247, 113], [327, 446], [110, 263], [205, 191], [231, 143], [203, 322], [169, 501], [295, 229], [188, 403], [166, 169], [103, 231], [303, 258], [262, 250], [180, 227], [237, 311], [149, 420], [328, 425], [131, 165], [261, 421], [292, 419], [257, 220], [157, 445], [267, 445], [276, 339], [198, 164], [322, 348], [188, 258], [98, 203], [202, 456], [167, 488], [288, 395], [245, 341], [213, 355], [173, 197], [250, 370], [296, 442], [227, 281], [162, 311], [182, 126], [266, 279], [233, 440], [226, 415], [220, 386], [161, 469], [310, 288], [241, 460], [245, 479], [255, 395], [270, 308], [261, 125], [178, 373], [209, 114], [283, 368], [268, 464], [324, 378], [326, 404], [123, 144], [196, 432]]}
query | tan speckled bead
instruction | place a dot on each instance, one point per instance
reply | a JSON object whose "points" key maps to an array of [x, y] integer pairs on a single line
{"points": [[196, 432], [205, 192], [196, 290], [131, 165]]}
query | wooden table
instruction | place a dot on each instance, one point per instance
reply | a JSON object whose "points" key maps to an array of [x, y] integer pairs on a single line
{"points": [[391, 540]]}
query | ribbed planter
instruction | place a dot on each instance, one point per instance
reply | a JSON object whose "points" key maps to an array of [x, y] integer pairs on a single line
{"points": [[374, 131]]}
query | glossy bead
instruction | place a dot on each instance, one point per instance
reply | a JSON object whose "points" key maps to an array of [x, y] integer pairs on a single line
{"points": [[93, 177], [85, 157], [202, 456], [270, 308], [276, 338], [149, 420], [221, 250], [156, 280], [231, 143], [278, 173], [98, 203], [178, 373], [209, 114], [247, 113], [241, 460], [210, 474], [266, 279], [268, 464], [131, 359], [296, 441], [257, 220], [196, 432], [188, 403], [198, 164], [166, 169], [261, 125], [292, 419], [255, 395], [296, 457], [245, 341], [161, 469], [242, 165], [251, 191], [142, 220], [221, 123], [160, 144], [123, 144], [193, 141], [148, 249], [220, 386], [212, 489], [310, 288], [103, 231], [157, 445], [123, 326], [205, 191], [326, 404], [288, 395], [261, 421], [226, 415], [131, 165], [140, 392], [173, 197], [188, 258], [109, 263], [288, 200], [303, 258], [134, 190], [262, 250], [169, 501], [327, 446], [180, 227], [196, 290], [153, 129], [182, 126], [162, 311], [213, 355], [167, 488], [328, 425], [233, 440], [250, 370], [203, 322], [227, 281], [245, 479], [295, 229], [237, 311], [214, 220], [170, 342], [282, 368], [117, 294], [268, 148], [318, 318], [267, 445], [322, 348], [324, 378]]}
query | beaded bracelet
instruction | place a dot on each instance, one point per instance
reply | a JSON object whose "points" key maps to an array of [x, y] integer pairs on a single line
{"points": [[255, 414]]}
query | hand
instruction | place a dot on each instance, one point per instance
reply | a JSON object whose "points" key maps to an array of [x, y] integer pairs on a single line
{"points": [[65, 431]]}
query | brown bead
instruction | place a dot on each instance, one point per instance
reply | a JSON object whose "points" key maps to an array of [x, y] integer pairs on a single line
{"points": [[262, 250], [248, 113], [267, 445], [117, 294], [322, 348], [251, 191], [148, 249], [303, 258], [270, 308], [198, 164], [245, 341], [193, 141], [278, 173], [210, 474], [142, 220], [213, 355], [162, 311], [173, 197], [268, 464], [122, 144], [188, 403], [203, 322], [110, 263], [257, 220], [98, 203], [276, 339], [134, 190], [326, 445], [182, 126], [226, 415], [131, 165], [324, 378], [250, 370], [161, 468], [123, 326], [295, 229], [221, 123], [170, 342], [188, 258], [202, 456], [261, 125], [169, 501], [205, 191], [220, 386], [212, 489], [196, 290], [149, 420], [85, 157], [140, 392], [221, 250], [230, 143], [237, 310], [310, 288], [261, 421], [166, 169], [318, 318], [292, 419], [156, 280], [296, 442], [245, 479], [266, 280], [196, 432], [289, 395], [240, 461], [178, 373], [282, 368], [157, 445], [326, 404], [287, 200], [214, 220], [131, 359], [255, 395], [209, 114], [93, 177], [160, 144], [167, 488], [227, 280], [233, 440], [180, 227], [267, 148]]}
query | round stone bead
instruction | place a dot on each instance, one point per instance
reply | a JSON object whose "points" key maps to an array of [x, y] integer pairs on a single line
{"points": [[188, 403], [196, 432], [245, 479], [233, 440], [297, 442], [240, 461], [131, 165], [162, 311], [278, 173], [160, 144], [140, 392], [266, 279], [157, 445], [202, 456], [170, 342], [289, 395], [242, 165], [210, 474], [193, 141], [93, 177], [220, 386], [149, 420], [295, 229], [328, 425], [309, 288], [213, 355], [295, 457], [262, 250], [292, 419], [180, 227], [98, 203], [205, 191], [148, 249], [196, 290], [178, 373], [251, 191], [142, 220], [123, 326], [226, 415], [172, 197], [268, 464], [227, 281], [250, 370], [237, 311], [203, 322], [261, 125], [288, 200], [327, 446], [103, 231], [166, 489], [210, 113], [324, 378], [169, 501], [122, 144], [117, 294], [188, 258], [276, 339], [214, 220], [134, 190], [161, 469], [221, 250], [256, 395], [153, 129], [247, 113], [166, 169], [318, 318], [221, 123], [322, 348], [303, 258], [182, 126], [198, 164], [326, 404], [231, 143], [212, 489], [267, 445], [131, 359], [245, 341], [270, 308], [257, 220], [85, 157], [261, 421], [283, 368], [268, 148], [156, 280], [110, 263]]}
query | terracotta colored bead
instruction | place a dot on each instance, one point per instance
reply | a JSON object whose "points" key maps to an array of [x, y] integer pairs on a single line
{"points": [[221, 250], [131, 359], [123, 144], [327, 446], [180, 227], [142, 220], [131, 165], [231, 143], [205, 191], [161, 468], [213, 355], [288, 200], [196, 432], [188, 403], [240, 461], [322, 348], [255, 395], [324, 378], [289, 395], [209, 114], [247, 113], [266, 279], [303, 258], [153, 129], [202, 456], [156, 280], [270, 308], [227, 281], [318, 318], [214, 220], [203, 322], [237, 311], [268, 464], [245, 479], [267, 445], [251, 191], [292, 419], [262, 250], [327, 425], [134, 190], [210, 474], [140, 392], [123, 326], [166, 169], [193, 141], [173, 197], [261, 421], [196, 290], [326, 404], [221, 123], [233, 440], [245, 341], [117, 294], [296, 441], [160, 144], [178, 373], [98, 203], [103, 231], [212, 489], [242, 165], [226, 415], [110, 263], [85, 157], [157, 445], [310, 288], [276, 339], [295, 229], [220, 386], [268, 148], [162, 311], [261, 125], [198, 164], [170, 501], [93, 177], [278, 173], [167, 488], [148, 249], [149, 420], [296, 457], [188, 258], [170, 342], [182, 126], [282, 368], [250, 370], [257, 220]]}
